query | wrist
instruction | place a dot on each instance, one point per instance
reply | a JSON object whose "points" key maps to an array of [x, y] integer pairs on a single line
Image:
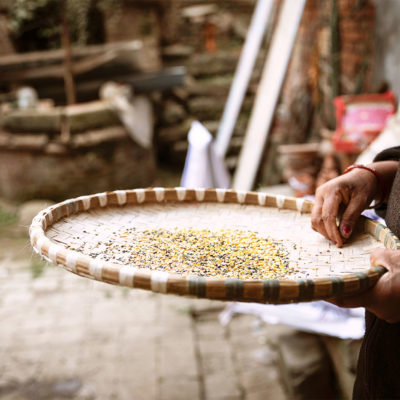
{"points": [[379, 187]]}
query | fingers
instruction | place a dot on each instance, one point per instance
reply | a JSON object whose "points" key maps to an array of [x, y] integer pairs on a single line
{"points": [[350, 215], [329, 199], [330, 211], [324, 213], [316, 219], [352, 192]]}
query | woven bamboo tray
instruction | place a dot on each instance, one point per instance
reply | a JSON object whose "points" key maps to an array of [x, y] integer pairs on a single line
{"points": [[324, 270]]}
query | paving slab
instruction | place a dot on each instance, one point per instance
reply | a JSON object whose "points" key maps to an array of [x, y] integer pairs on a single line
{"points": [[61, 330]]}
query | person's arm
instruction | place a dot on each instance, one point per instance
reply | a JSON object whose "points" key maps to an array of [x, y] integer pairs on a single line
{"points": [[383, 299], [346, 196]]}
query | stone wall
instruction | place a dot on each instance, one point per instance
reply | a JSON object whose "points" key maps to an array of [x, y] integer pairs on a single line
{"points": [[112, 165]]}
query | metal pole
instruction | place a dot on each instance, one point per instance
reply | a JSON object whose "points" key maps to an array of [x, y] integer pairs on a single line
{"points": [[268, 94], [242, 75]]}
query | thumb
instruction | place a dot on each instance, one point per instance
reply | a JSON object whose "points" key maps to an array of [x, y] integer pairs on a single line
{"points": [[350, 215], [385, 257]]}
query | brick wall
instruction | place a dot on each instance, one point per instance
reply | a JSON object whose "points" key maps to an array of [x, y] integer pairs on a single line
{"points": [[316, 74], [387, 51]]}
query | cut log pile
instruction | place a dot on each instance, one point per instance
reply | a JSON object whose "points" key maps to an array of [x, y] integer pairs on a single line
{"points": [[70, 127], [203, 97], [92, 66], [61, 152]]}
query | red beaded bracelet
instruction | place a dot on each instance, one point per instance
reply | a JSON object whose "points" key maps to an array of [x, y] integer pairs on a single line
{"points": [[378, 178]]}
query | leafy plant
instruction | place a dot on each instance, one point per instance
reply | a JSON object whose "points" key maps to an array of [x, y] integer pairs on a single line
{"points": [[7, 217], [37, 266], [40, 19]]}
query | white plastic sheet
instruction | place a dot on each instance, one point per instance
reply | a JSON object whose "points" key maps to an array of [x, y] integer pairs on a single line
{"points": [[316, 317], [204, 168], [135, 113]]}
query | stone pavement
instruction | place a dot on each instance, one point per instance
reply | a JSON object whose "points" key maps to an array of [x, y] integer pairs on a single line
{"points": [[67, 337], [63, 336]]}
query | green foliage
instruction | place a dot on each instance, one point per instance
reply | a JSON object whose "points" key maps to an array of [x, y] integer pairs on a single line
{"points": [[37, 266], [23, 11], [78, 18], [7, 217], [41, 19]]}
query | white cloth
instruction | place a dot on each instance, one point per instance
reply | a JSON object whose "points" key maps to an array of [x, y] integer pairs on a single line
{"points": [[316, 317], [204, 168], [135, 113]]}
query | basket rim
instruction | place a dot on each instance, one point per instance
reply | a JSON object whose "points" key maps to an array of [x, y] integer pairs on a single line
{"points": [[255, 290]]}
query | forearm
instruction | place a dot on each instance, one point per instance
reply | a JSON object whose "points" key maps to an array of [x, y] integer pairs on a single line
{"points": [[387, 171]]}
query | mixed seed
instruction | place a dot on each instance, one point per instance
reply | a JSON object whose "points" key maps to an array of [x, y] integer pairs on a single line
{"points": [[226, 253]]}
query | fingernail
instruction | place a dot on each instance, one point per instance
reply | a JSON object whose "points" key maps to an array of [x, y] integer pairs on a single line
{"points": [[346, 229]]}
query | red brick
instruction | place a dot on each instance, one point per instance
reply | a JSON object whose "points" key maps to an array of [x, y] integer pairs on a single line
{"points": [[355, 36]]}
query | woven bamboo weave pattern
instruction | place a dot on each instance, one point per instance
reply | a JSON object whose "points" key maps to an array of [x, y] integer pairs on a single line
{"points": [[72, 234]]}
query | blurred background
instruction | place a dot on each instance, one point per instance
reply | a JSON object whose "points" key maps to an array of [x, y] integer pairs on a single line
{"points": [[99, 95]]}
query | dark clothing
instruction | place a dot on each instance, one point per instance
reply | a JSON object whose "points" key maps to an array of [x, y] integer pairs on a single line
{"points": [[378, 371], [392, 217]]}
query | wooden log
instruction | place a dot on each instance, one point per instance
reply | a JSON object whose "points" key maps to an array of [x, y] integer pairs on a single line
{"points": [[214, 87], [96, 137], [57, 71], [88, 87], [33, 120], [102, 62], [207, 108], [207, 64], [88, 116], [57, 120], [24, 60], [33, 142], [174, 133], [172, 112], [12, 141], [56, 148], [42, 141], [6, 46]]}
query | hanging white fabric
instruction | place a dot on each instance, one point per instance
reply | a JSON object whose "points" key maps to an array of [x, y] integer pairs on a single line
{"points": [[204, 168]]}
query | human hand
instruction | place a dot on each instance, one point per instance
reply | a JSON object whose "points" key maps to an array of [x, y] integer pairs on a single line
{"points": [[348, 194], [383, 299]]}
